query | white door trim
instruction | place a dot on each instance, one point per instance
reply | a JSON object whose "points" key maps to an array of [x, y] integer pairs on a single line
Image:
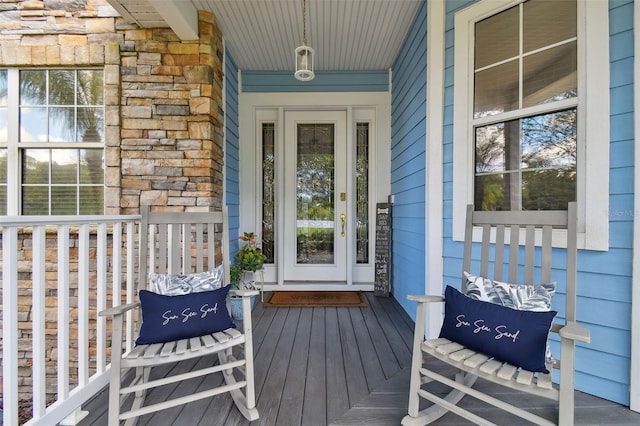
{"points": [[374, 104]]}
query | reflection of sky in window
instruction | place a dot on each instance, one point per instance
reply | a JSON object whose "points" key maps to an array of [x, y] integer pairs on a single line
{"points": [[62, 156], [33, 128], [61, 125]]}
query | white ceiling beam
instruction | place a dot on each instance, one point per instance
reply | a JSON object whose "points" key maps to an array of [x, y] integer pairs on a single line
{"points": [[181, 16], [122, 10]]}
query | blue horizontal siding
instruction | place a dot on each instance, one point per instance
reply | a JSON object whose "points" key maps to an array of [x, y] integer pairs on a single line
{"points": [[232, 151], [325, 81], [604, 277], [408, 127]]}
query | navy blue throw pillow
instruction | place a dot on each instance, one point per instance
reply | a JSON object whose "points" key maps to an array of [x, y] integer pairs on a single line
{"points": [[509, 335], [167, 318]]}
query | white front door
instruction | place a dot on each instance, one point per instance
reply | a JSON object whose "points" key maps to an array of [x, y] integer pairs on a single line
{"points": [[315, 194]]}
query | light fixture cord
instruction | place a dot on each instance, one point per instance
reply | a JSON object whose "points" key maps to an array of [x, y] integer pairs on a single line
{"points": [[304, 22]]}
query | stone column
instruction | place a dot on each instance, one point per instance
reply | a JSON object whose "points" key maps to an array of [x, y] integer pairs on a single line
{"points": [[171, 144]]}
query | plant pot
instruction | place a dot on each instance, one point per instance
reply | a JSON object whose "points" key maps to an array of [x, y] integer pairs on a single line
{"points": [[236, 307]]}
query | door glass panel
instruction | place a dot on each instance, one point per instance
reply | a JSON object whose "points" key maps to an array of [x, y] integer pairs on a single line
{"points": [[362, 193], [314, 194], [268, 190]]}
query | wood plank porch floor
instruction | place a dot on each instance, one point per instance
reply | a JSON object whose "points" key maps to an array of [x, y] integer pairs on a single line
{"points": [[338, 366]]}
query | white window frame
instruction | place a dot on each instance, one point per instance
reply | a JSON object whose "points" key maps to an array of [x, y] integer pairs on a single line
{"points": [[14, 147], [593, 117]]}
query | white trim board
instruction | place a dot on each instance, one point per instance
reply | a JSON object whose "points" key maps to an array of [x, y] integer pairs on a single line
{"points": [[434, 166], [634, 388]]}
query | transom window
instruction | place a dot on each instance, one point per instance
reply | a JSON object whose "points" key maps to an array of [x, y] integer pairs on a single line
{"points": [[51, 141], [525, 104]]}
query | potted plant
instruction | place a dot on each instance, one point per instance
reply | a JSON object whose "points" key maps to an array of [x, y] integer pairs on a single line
{"points": [[248, 259]]}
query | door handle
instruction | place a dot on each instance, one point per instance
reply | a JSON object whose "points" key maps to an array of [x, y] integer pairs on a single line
{"points": [[342, 219]]}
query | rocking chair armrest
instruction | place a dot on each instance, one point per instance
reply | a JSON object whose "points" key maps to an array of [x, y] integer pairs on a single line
{"points": [[118, 310], [576, 332], [425, 298], [244, 293]]}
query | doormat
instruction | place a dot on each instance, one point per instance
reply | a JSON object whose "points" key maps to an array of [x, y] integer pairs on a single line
{"points": [[315, 299]]}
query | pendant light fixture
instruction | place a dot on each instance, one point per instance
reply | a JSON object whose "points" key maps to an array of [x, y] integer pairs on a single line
{"points": [[304, 53]]}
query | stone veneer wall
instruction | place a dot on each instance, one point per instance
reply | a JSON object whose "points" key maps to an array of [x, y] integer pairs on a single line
{"points": [[171, 149], [163, 117]]}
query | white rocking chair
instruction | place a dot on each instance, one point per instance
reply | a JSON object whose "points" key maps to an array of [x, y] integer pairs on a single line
{"points": [[501, 234], [181, 243]]}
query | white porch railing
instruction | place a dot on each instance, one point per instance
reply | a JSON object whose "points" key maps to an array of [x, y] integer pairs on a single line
{"points": [[57, 273]]}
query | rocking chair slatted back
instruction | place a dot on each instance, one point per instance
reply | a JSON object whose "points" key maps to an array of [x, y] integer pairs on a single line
{"points": [[531, 229], [171, 240]]}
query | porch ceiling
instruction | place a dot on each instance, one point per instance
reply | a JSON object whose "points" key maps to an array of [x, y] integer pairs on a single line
{"points": [[262, 34]]}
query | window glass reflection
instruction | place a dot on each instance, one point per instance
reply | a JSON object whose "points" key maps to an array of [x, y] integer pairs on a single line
{"points": [[33, 124], [90, 125], [496, 90], [91, 200], [66, 200], [550, 75], [362, 193], [33, 87], [64, 166], [315, 194], [496, 38], [90, 87], [61, 124], [548, 22], [35, 166], [62, 87], [268, 191], [3, 88], [35, 200], [91, 171], [527, 164]]}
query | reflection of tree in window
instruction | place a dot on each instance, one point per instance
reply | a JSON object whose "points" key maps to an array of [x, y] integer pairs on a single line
{"points": [[550, 161], [362, 193], [315, 172], [268, 191], [3, 182], [315, 192], [527, 164]]}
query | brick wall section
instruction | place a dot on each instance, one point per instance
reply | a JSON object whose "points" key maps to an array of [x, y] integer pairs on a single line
{"points": [[163, 116]]}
